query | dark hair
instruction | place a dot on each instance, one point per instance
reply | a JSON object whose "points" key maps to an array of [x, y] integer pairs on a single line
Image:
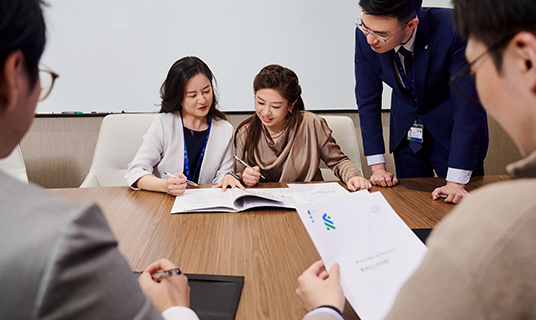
{"points": [[172, 90], [286, 83], [400, 9], [494, 22], [22, 27]]}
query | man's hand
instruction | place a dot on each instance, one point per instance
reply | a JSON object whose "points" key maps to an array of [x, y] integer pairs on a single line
{"points": [[381, 177], [454, 192], [168, 292], [317, 288]]}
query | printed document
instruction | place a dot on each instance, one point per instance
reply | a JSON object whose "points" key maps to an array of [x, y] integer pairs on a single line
{"points": [[377, 252]]}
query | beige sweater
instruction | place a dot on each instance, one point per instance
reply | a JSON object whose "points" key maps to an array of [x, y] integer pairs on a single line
{"points": [[296, 155], [481, 262]]}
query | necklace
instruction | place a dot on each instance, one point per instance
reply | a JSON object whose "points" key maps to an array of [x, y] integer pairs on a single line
{"points": [[280, 132]]}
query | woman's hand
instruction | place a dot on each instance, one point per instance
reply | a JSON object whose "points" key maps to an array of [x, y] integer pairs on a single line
{"points": [[174, 186], [229, 181], [358, 183], [251, 176]]}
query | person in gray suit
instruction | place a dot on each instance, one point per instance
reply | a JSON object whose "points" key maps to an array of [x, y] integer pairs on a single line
{"points": [[59, 259]]}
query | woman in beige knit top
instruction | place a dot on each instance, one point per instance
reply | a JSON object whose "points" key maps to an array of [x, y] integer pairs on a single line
{"points": [[284, 143]]}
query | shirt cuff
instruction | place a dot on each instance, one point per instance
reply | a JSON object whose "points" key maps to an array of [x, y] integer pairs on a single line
{"points": [[182, 313], [324, 310], [459, 175], [375, 159]]}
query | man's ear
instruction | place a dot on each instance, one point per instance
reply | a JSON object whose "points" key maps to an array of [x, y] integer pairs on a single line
{"points": [[413, 23], [524, 50], [12, 80]]}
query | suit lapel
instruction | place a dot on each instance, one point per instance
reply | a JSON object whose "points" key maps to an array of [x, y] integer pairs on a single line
{"points": [[421, 54], [386, 61]]}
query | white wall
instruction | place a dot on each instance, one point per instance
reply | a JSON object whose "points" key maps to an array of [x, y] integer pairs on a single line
{"points": [[113, 55]]}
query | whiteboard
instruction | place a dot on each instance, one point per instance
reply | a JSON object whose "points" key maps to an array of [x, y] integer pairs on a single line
{"points": [[113, 55]]}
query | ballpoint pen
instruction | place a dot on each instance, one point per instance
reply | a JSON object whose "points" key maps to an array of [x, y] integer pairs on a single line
{"points": [[166, 274], [247, 165], [187, 181]]}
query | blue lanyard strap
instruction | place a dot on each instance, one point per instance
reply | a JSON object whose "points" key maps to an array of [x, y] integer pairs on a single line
{"points": [[186, 160], [404, 77]]}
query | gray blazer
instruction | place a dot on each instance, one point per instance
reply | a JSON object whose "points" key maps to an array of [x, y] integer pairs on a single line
{"points": [[59, 260]]}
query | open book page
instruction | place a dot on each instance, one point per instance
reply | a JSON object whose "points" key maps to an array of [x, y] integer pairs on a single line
{"points": [[204, 200], [232, 200], [256, 197], [377, 252]]}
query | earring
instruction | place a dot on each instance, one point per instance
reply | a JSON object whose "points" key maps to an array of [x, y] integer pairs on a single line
{"points": [[290, 111]]}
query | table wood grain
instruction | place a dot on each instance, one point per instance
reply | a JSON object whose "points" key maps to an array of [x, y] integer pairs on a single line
{"points": [[270, 247]]}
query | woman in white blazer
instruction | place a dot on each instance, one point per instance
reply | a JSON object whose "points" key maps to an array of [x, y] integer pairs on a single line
{"points": [[189, 138]]}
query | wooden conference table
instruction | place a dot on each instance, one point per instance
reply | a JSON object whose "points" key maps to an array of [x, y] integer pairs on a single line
{"points": [[269, 247]]}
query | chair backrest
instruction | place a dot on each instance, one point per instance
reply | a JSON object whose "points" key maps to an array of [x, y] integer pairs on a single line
{"points": [[344, 134], [14, 165], [120, 136]]}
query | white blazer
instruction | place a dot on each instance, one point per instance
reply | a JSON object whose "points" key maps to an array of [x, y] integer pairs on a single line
{"points": [[163, 150]]}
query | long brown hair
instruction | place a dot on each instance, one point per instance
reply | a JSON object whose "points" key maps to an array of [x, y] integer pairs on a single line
{"points": [[172, 90], [285, 82]]}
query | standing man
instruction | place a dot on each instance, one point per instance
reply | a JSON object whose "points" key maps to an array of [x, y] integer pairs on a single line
{"points": [[59, 259], [433, 128], [481, 262]]}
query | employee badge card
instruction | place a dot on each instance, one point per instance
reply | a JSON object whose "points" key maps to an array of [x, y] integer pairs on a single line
{"points": [[377, 252]]}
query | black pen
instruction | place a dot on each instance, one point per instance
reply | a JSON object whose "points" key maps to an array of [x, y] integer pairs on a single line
{"points": [[247, 165]]}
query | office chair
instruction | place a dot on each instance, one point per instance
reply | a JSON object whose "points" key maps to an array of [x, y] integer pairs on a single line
{"points": [[344, 134], [14, 165], [120, 136]]}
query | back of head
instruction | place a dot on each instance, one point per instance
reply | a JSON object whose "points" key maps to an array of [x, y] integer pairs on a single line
{"points": [[494, 22], [22, 27], [172, 90], [401, 9]]}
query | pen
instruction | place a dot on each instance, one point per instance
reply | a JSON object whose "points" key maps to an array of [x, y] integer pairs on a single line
{"points": [[187, 181], [166, 274], [247, 165]]}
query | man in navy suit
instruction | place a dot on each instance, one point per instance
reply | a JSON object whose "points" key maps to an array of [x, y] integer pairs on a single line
{"points": [[434, 127]]}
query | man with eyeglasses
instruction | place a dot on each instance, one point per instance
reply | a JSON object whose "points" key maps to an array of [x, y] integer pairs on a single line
{"points": [[59, 259], [433, 128], [481, 259]]}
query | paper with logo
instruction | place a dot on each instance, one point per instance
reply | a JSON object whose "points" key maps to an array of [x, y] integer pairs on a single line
{"points": [[232, 200], [377, 252]]}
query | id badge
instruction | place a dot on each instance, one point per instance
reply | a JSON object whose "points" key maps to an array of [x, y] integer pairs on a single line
{"points": [[415, 133]]}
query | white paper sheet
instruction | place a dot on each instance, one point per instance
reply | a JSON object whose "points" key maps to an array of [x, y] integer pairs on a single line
{"points": [[377, 252]]}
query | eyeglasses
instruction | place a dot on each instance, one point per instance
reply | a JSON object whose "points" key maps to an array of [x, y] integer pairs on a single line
{"points": [[47, 78], [461, 80], [367, 32]]}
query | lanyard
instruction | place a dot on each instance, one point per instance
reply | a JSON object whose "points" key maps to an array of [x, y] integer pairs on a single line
{"points": [[404, 77], [186, 160]]}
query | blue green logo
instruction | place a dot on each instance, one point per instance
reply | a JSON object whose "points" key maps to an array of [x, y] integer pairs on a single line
{"points": [[310, 216], [328, 222]]}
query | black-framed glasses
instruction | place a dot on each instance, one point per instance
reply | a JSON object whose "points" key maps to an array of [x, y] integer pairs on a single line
{"points": [[366, 31], [460, 80], [47, 79]]}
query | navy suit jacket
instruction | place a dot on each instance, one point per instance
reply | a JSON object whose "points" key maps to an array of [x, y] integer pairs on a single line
{"points": [[458, 125]]}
